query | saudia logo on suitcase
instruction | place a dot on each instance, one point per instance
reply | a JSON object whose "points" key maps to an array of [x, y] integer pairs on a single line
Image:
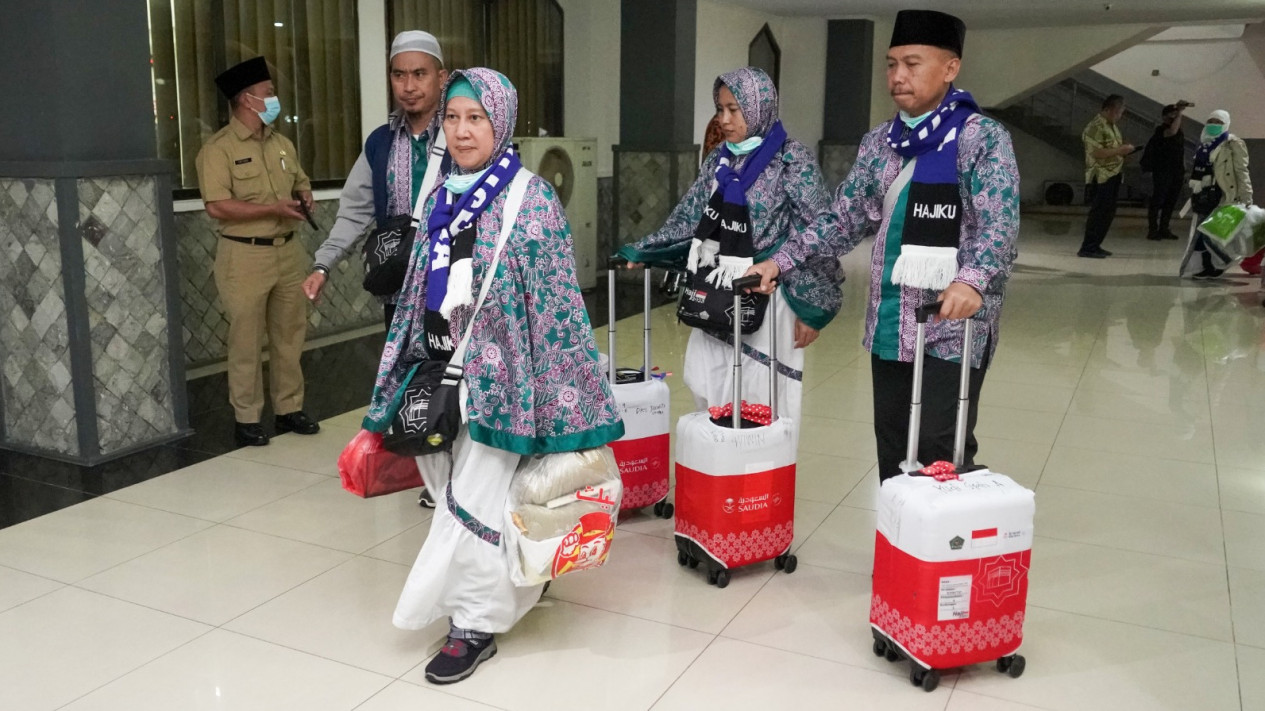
{"points": [[748, 504]]}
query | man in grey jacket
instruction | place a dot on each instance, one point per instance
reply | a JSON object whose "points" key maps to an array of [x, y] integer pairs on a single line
{"points": [[400, 163]]}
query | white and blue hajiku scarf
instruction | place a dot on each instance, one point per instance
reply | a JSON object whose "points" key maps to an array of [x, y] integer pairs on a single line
{"points": [[451, 227], [724, 234], [933, 217]]}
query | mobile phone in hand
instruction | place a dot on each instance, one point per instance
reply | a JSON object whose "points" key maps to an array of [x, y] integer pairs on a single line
{"points": [[306, 212]]}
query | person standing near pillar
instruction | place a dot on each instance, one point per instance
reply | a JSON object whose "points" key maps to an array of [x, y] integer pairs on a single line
{"points": [[1165, 158], [1105, 151], [248, 174], [938, 186]]}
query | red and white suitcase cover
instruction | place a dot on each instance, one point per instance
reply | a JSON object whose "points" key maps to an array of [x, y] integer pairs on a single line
{"points": [[951, 567], [735, 489], [643, 453]]}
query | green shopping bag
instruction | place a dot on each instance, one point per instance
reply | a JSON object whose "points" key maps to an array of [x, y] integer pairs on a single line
{"points": [[1225, 224]]}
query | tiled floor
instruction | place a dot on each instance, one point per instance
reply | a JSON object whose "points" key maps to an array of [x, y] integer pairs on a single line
{"points": [[1133, 402]]}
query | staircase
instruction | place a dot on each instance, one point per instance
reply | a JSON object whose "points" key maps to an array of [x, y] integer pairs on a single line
{"points": [[1058, 114]]}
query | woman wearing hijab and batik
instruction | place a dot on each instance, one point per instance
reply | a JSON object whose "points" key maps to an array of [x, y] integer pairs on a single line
{"points": [[773, 188], [531, 369]]}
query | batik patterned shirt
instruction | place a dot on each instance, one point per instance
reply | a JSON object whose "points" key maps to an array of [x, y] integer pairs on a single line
{"points": [[787, 199], [988, 180]]}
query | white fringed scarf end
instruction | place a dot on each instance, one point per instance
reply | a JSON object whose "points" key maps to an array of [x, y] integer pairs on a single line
{"points": [[702, 254], [460, 287], [727, 269], [925, 267]]}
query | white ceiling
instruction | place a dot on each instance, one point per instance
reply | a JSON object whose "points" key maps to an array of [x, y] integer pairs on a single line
{"points": [[1029, 13]]}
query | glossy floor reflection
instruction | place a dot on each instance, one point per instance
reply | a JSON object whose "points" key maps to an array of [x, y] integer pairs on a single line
{"points": [[1130, 400]]}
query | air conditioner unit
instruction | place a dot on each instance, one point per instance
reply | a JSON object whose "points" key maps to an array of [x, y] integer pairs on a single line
{"points": [[570, 165], [1064, 192]]}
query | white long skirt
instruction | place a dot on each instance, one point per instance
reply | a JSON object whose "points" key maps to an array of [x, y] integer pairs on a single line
{"points": [[709, 366], [459, 574]]}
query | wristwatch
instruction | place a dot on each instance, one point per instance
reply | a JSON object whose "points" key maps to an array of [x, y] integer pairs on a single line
{"points": [[324, 270]]}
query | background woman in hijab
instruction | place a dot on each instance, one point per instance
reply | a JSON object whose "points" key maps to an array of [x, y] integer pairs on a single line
{"points": [[1220, 177], [787, 198], [531, 369]]}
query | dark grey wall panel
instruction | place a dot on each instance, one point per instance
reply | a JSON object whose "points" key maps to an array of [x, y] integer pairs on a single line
{"points": [[849, 75]]}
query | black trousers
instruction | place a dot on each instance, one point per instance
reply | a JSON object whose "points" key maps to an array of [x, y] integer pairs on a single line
{"points": [[893, 390], [1101, 198], [1166, 187], [388, 312]]}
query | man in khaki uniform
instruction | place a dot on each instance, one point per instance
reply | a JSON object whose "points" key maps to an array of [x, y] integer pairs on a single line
{"points": [[249, 174], [1105, 151]]}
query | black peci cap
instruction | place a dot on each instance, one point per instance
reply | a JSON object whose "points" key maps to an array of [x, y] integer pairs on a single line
{"points": [[237, 77], [929, 27]]}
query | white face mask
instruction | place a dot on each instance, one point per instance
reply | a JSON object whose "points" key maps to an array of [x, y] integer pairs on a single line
{"points": [[911, 121], [744, 147], [458, 184]]}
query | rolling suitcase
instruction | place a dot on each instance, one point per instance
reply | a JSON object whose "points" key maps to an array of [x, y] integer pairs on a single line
{"points": [[735, 478], [951, 554], [644, 452]]}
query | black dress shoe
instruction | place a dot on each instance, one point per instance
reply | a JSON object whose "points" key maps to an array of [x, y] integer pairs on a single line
{"points": [[1154, 236], [1091, 255], [249, 435], [1170, 235], [1101, 251], [297, 422]]}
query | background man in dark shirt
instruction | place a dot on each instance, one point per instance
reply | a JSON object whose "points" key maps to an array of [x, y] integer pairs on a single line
{"points": [[1165, 157]]}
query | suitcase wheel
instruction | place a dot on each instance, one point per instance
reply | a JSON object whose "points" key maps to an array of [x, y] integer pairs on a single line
{"points": [[1012, 665], [787, 562], [719, 578], [682, 560], [885, 649], [928, 679], [664, 510]]}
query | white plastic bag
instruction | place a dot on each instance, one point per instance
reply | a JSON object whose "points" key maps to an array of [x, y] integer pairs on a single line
{"points": [[560, 514]]}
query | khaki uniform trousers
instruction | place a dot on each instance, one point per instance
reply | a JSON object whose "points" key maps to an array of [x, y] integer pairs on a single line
{"points": [[261, 289]]}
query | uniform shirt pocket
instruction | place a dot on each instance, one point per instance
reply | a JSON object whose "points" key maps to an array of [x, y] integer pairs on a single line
{"points": [[249, 182]]}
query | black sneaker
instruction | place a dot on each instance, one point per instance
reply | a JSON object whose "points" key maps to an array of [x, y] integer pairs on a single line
{"points": [[1091, 255], [458, 659], [425, 499], [1102, 252], [1168, 234], [1209, 274], [1154, 236], [297, 422]]}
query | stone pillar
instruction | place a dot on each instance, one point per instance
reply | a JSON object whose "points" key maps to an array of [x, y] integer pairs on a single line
{"points": [[92, 366], [656, 159], [849, 74]]}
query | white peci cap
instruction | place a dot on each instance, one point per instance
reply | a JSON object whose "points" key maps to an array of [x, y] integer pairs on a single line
{"points": [[416, 41]]}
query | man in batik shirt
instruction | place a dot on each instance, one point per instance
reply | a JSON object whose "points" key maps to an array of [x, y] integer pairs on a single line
{"points": [[938, 186]]}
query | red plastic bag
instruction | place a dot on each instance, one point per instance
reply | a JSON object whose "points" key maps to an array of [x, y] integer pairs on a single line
{"points": [[367, 469]]}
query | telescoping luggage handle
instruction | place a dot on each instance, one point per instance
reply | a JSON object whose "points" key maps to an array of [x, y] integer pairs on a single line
{"points": [[741, 285], [922, 314], [611, 265]]}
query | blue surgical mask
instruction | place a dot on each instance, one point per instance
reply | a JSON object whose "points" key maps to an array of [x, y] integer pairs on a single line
{"points": [[272, 109], [742, 148], [458, 184], [911, 121]]}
